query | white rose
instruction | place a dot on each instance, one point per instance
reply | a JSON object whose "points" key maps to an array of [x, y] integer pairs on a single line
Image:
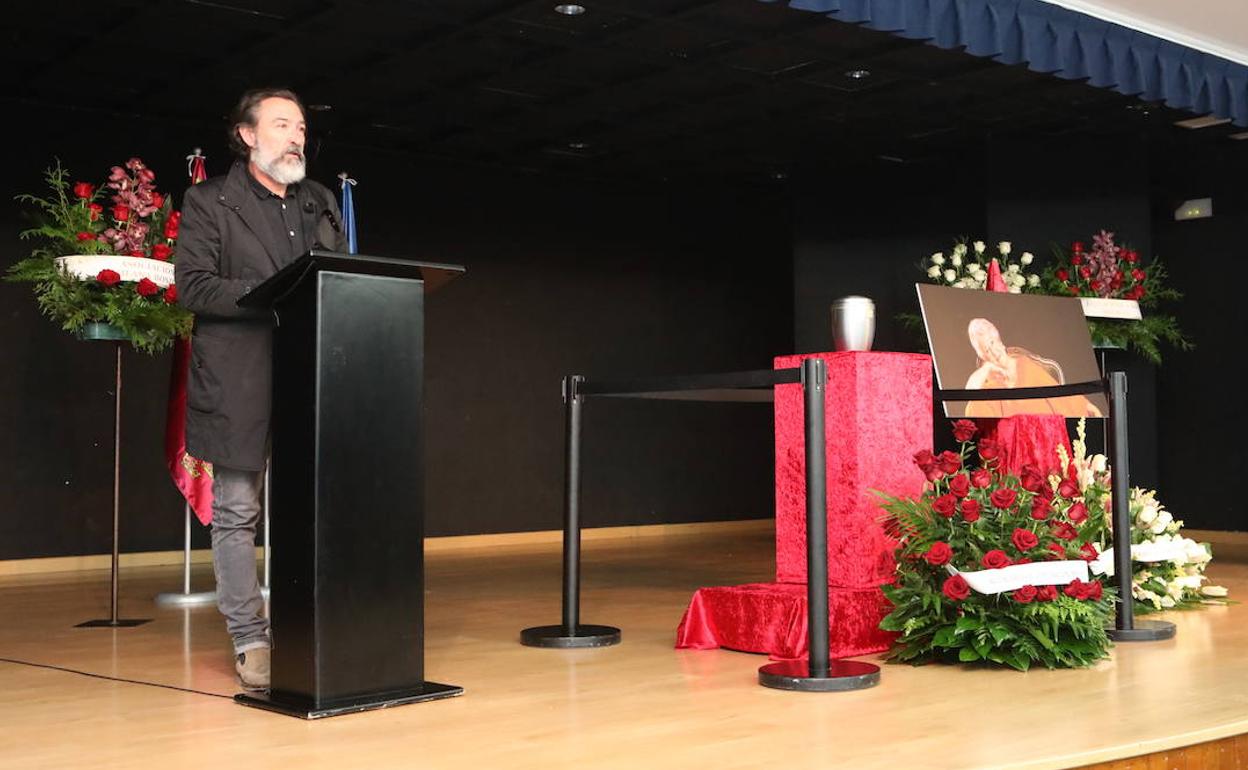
{"points": [[1012, 269], [1027, 258], [979, 247], [1147, 515], [1098, 463], [933, 271], [955, 260], [1189, 581], [938, 258], [1033, 280], [951, 276], [1004, 247], [1163, 521], [959, 284], [960, 249], [1167, 602], [1214, 591], [1175, 589], [1015, 290]]}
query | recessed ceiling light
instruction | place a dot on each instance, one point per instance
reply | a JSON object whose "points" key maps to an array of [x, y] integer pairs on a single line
{"points": [[570, 9], [1202, 122], [779, 176], [858, 74], [578, 145], [320, 107]]}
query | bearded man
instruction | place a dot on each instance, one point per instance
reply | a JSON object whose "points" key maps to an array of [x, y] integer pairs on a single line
{"points": [[236, 231]]}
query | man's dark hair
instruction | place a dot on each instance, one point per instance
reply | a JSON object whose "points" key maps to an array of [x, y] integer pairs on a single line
{"points": [[244, 114]]}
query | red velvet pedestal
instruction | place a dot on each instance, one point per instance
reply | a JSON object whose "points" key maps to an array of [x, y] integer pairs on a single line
{"points": [[879, 413]]}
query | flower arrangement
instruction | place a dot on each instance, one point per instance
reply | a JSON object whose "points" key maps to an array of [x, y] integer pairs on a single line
{"points": [[967, 267], [106, 264], [1168, 569], [992, 567], [1112, 271]]}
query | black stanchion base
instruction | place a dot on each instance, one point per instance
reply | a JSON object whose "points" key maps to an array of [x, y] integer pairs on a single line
{"points": [[304, 709], [557, 636], [107, 623], [842, 675], [1144, 631]]}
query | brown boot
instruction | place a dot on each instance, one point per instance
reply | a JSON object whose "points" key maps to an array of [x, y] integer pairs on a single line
{"points": [[253, 668]]}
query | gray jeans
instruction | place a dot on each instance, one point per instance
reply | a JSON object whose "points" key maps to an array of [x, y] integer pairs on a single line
{"points": [[235, 513]]}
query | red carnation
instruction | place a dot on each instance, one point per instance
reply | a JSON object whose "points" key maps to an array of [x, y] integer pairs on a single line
{"points": [[960, 485], [980, 478], [949, 462], [1025, 594], [1095, 591], [86, 237], [1046, 593], [161, 251], [95, 210], [1064, 531], [944, 505], [1004, 497], [939, 554], [83, 190], [121, 212], [1024, 539], [146, 288], [989, 449], [1059, 551], [970, 511], [995, 559], [1077, 513], [964, 430], [171, 294], [1068, 488], [1077, 589], [108, 277], [1087, 552], [1040, 509], [955, 588]]}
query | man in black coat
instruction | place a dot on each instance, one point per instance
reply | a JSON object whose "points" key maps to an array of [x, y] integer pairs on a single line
{"points": [[236, 231]]}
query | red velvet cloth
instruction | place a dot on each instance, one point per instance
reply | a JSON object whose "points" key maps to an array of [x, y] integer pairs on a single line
{"points": [[879, 413], [1029, 439], [771, 618]]}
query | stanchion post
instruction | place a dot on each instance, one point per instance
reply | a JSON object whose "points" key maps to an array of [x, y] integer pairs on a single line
{"points": [[186, 598]]}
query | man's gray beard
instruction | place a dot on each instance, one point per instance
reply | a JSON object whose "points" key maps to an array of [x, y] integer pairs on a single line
{"points": [[279, 170]]}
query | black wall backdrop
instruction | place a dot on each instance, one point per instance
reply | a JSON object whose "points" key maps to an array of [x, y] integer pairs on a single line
{"points": [[603, 279], [563, 276]]}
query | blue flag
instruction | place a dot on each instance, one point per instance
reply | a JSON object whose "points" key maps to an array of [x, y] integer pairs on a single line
{"points": [[348, 212]]}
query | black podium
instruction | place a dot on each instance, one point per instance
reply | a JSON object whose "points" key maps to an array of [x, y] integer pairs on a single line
{"points": [[347, 498]]}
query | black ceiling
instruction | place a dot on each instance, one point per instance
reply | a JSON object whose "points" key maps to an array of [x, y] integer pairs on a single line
{"points": [[653, 88]]}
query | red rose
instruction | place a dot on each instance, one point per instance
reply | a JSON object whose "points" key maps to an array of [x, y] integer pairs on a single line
{"points": [[95, 210], [171, 228], [1022, 560], [1095, 286], [989, 449], [924, 459], [108, 277], [1059, 551], [121, 212], [86, 237], [1024, 539], [1004, 497], [939, 554], [1077, 513], [137, 253], [1068, 488], [146, 288], [1077, 247], [1031, 479], [1132, 256], [1063, 275], [1040, 509], [158, 200], [1064, 531], [161, 251], [83, 190], [944, 505], [175, 216], [949, 462], [1095, 591], [960, 485], [171, 294], [995, 559], [1073, 291], [1077, 589], [1085, 271], [1046, 593], [980, 478], [955, 588], [1025, 594], [1087, 552], [1138, 274], [970, 511], [964, 430]]}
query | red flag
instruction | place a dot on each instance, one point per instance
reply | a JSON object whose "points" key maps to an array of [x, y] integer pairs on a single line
{"points": [[192, 477], [995, 281]]}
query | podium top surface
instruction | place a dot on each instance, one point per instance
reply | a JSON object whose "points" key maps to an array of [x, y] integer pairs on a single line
{"points": [[434, 274]]}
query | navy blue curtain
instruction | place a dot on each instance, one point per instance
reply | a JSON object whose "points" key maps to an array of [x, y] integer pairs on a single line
{"points": [[1062, 42]]}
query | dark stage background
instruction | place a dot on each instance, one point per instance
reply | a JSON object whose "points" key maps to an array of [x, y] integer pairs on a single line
{"points": [[573, 275]]}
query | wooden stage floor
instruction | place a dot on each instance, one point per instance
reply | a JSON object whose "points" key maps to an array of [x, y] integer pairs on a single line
{"points": [[641, 704]]}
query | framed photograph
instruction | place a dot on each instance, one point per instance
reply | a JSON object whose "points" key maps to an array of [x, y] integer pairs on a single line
{"points": [[986, 339]]}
